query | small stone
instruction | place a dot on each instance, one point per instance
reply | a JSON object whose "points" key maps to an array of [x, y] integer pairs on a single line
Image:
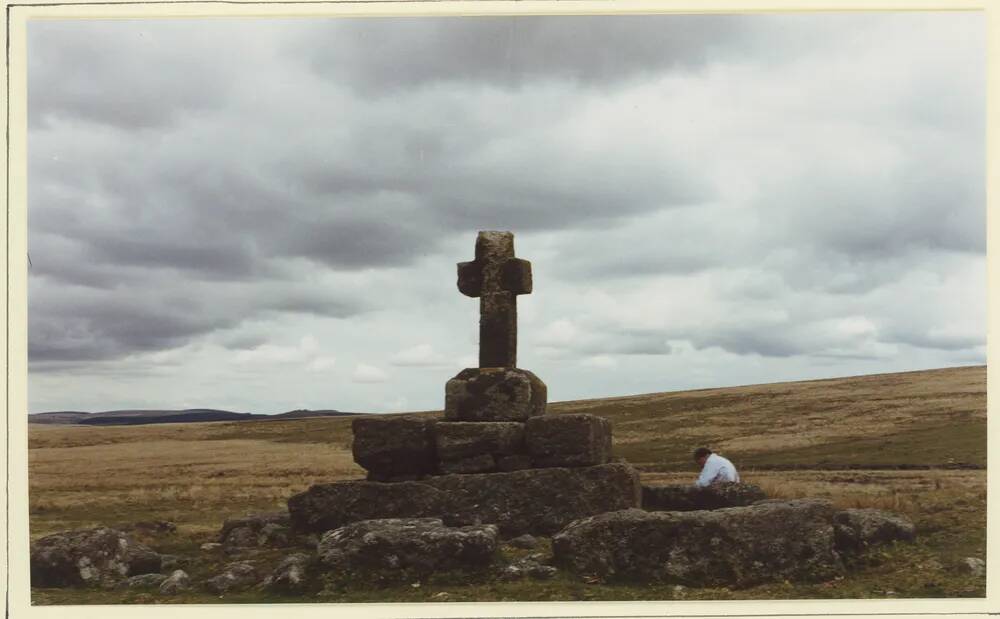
{"points": [[568, 440], [235, 576], [177, 582], [142, 581], [291, 575], [973, 566], [524, 541], [211, 546], [542, 572], [171, 562]]}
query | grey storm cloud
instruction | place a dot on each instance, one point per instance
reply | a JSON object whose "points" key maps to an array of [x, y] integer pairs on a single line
{"points": [[186, 175], [511, 52], [126, 73]]}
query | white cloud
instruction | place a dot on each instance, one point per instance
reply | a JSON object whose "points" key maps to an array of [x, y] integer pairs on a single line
{"points": [[364, 373], [422, 355]]}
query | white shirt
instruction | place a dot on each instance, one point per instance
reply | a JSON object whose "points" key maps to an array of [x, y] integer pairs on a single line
{"points": [[717, 469]]}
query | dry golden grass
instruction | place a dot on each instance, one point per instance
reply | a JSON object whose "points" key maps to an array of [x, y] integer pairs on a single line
{"points": [[197, 475], [161, 474]]}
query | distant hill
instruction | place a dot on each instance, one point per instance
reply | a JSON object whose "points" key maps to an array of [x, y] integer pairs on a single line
{"points": [[302, 413], [191, 415], [60, 417]]}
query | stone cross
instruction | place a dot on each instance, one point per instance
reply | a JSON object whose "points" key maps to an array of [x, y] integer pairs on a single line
{"points": [[496, 277]]}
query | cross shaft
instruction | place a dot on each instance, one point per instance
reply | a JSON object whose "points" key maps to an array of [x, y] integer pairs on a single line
{"points": [[496, 277]]}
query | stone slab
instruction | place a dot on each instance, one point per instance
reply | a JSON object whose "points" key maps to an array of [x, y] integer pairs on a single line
{"points": [[328, 506], [568, 440], [537, 501], [394, 445], [454, 440]]}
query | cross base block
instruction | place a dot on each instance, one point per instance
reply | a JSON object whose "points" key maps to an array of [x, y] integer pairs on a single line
{"points": [[494, 394]]}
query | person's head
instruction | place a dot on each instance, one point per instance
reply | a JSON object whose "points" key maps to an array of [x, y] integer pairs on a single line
{"points": [[701, 454]]}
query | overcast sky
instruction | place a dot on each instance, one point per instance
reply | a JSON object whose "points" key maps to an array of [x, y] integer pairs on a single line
{"points": [[261, 215]]}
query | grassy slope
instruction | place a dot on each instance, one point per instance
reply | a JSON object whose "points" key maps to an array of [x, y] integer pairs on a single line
{"points": [[198, 474]]}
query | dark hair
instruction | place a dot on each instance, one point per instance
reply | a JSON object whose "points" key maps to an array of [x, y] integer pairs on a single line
{"points": [[701, 452]]}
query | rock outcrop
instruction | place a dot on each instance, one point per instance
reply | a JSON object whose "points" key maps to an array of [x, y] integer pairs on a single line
{"points": [[87, 557], [738, 546], [857, 529], [394, 549], [271, 529]]}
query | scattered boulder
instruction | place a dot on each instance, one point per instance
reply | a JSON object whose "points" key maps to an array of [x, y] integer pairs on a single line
{"points": [[85, 557], [392, 445], [973, 566], [271, 529], [738, 546], [538, 501], [682, 498], [525, 541], [177, 582], [527, 568], [494, 394], [857, 529], [172, 562], [236, 576], [329, 506], [404, 548], [142, 581], [291, 575], [152, 527], [568, 440]]}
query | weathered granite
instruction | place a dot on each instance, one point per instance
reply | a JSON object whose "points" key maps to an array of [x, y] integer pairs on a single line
{"points": [[329, 506], [394, 445], [395, 549], [529, 501], [496, 277], [568, 440], [680, 498], [494, 394], [736, 546]]}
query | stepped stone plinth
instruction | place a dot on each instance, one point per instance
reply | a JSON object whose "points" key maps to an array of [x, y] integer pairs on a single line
{"points": [[495, 458]]}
